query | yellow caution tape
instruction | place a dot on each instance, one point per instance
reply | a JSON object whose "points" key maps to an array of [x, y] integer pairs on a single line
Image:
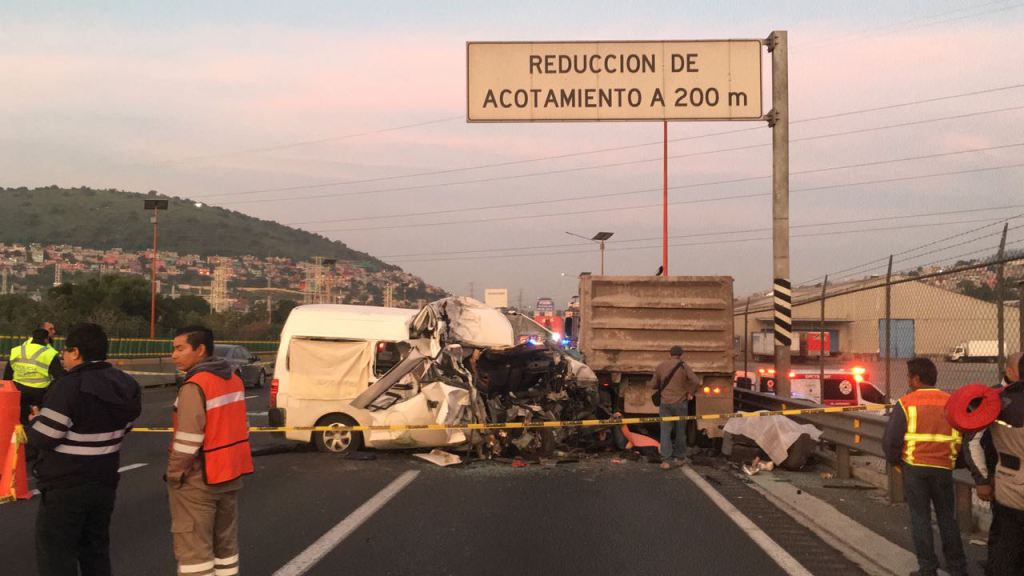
{"points": [[554, 423]]}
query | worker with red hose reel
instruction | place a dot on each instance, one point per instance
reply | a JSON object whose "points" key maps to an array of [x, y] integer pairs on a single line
{"points": [[993, 417]]}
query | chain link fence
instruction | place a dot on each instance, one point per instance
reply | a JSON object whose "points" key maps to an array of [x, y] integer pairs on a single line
{"points": [[966, 318]]}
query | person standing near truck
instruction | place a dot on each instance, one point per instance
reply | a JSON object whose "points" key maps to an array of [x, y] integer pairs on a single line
{"points": [[920, 441], [674, 384]]}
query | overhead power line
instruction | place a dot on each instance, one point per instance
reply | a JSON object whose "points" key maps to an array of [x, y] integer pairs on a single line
{"points": [[314, 141], [940, 250], [861, 268], [616, 242], [642, 206], [677, 244], [612, 149], [609, 194]]}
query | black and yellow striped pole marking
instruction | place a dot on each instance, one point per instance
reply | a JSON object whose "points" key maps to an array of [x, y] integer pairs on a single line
{"points": [[557, 423], [783, 312]]}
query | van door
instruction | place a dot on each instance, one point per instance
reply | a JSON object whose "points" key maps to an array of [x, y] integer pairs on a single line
{"points": [[333, 370]]}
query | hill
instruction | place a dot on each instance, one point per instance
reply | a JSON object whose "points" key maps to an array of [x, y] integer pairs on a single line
{"points": [[115, 219]]}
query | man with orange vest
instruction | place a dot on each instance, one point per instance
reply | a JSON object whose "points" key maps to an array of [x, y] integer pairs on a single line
{"points": [[919, 439], [208, 456]]}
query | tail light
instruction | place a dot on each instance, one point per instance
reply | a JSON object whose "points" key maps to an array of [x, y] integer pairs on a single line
{"points": [[707, 389], [716, 390], [761, 371], [792, 374], [274, 385]]}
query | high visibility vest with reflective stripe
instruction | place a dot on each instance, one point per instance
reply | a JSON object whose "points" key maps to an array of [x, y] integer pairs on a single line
{"points": [[930, 440], [226, 453], [31, 364]]}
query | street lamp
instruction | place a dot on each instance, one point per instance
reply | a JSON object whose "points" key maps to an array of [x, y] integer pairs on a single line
{"points": [[600, 237], [153, 205]]}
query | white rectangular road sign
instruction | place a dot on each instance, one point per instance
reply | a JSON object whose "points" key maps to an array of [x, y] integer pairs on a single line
{"points": [[588, 81]]}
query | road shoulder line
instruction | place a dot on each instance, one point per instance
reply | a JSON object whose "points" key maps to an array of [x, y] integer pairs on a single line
{"points": [[336, 535], [841, 532], [763, 541]]}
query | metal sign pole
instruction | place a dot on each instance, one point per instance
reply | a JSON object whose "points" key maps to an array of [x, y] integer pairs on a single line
{"points": [[664, 203], [779, 121]]}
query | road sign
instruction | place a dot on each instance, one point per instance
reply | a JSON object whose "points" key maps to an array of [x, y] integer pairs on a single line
{"points": [[588, 81]]}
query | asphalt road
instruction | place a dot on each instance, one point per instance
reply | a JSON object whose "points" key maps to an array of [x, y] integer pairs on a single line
{"points": [[596, 516]]}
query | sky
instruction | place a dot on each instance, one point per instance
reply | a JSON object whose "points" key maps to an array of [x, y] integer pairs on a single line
{"points": [[348, 120]]}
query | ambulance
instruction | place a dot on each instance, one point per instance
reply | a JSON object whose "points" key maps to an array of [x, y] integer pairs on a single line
{"points": [[845, 386]]}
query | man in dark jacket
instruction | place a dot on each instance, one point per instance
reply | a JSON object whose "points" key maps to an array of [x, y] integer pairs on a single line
{"points": [[78, 432]]}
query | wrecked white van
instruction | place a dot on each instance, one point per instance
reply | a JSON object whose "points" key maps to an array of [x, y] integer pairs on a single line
{"points": [[328, 355], [459, 365]]}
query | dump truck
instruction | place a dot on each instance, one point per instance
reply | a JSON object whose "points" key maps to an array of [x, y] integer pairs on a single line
{"points": [[629, 323]]}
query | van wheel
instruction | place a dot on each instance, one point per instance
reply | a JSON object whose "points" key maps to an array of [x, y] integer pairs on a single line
{"points": [[339, 442]]}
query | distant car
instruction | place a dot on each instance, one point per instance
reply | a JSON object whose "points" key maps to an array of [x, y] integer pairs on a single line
{"points": [[244, 363]]}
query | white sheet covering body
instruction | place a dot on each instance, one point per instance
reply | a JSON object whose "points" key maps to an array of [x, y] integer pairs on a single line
{"points": [[774, 434]]}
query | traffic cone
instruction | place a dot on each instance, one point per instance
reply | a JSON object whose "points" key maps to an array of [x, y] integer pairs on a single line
{"points": [[13, 480]]}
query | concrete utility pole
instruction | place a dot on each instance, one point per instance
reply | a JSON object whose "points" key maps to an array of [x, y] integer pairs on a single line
{"points": [[778, 119]]}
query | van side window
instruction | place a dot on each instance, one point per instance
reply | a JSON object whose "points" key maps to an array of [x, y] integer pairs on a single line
{"points": [[387, 355]]}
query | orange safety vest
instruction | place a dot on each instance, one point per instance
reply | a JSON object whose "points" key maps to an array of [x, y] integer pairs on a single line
{"points": [[226, 453], [930, 440]]}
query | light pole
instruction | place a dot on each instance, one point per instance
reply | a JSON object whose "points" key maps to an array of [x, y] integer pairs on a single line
{"points": [[600, 237], [153, 205]]}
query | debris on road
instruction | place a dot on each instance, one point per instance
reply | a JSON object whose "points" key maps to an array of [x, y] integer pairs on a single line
{"points": [[439, 457], [758, 465]]}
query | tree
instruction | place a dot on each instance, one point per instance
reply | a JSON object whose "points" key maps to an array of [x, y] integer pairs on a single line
{"points": [[281, 311]]}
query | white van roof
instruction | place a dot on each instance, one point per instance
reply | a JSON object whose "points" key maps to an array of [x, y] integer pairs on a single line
{"points": [[347, 321]]}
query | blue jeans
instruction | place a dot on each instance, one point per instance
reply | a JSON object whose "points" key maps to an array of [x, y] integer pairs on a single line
{"points": [[678, 449]]}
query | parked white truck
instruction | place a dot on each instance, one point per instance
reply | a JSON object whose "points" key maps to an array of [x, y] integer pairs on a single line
{"points": [[976, 351]]}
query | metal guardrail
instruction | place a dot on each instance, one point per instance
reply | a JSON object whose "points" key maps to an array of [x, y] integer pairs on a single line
{"points": [[860, 432]]}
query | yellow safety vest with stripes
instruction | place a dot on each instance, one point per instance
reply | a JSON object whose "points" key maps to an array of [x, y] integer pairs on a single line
{"points": [[30, 363], [930, 440]]}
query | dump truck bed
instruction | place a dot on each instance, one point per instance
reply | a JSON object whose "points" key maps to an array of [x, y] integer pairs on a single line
{"points": [[628, 323]]}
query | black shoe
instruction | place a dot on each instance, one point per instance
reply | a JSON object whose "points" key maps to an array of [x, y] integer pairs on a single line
{"points": [[923, 573]]}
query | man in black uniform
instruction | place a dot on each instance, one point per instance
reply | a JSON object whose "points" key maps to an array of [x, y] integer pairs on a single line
{"points": [[78, 432]]}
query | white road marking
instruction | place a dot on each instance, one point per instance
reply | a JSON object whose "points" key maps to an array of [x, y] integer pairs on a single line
{"points": [[131, 467], [329, 541], [255, 413], [770, 547], [36, 492], [254, 396]]}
